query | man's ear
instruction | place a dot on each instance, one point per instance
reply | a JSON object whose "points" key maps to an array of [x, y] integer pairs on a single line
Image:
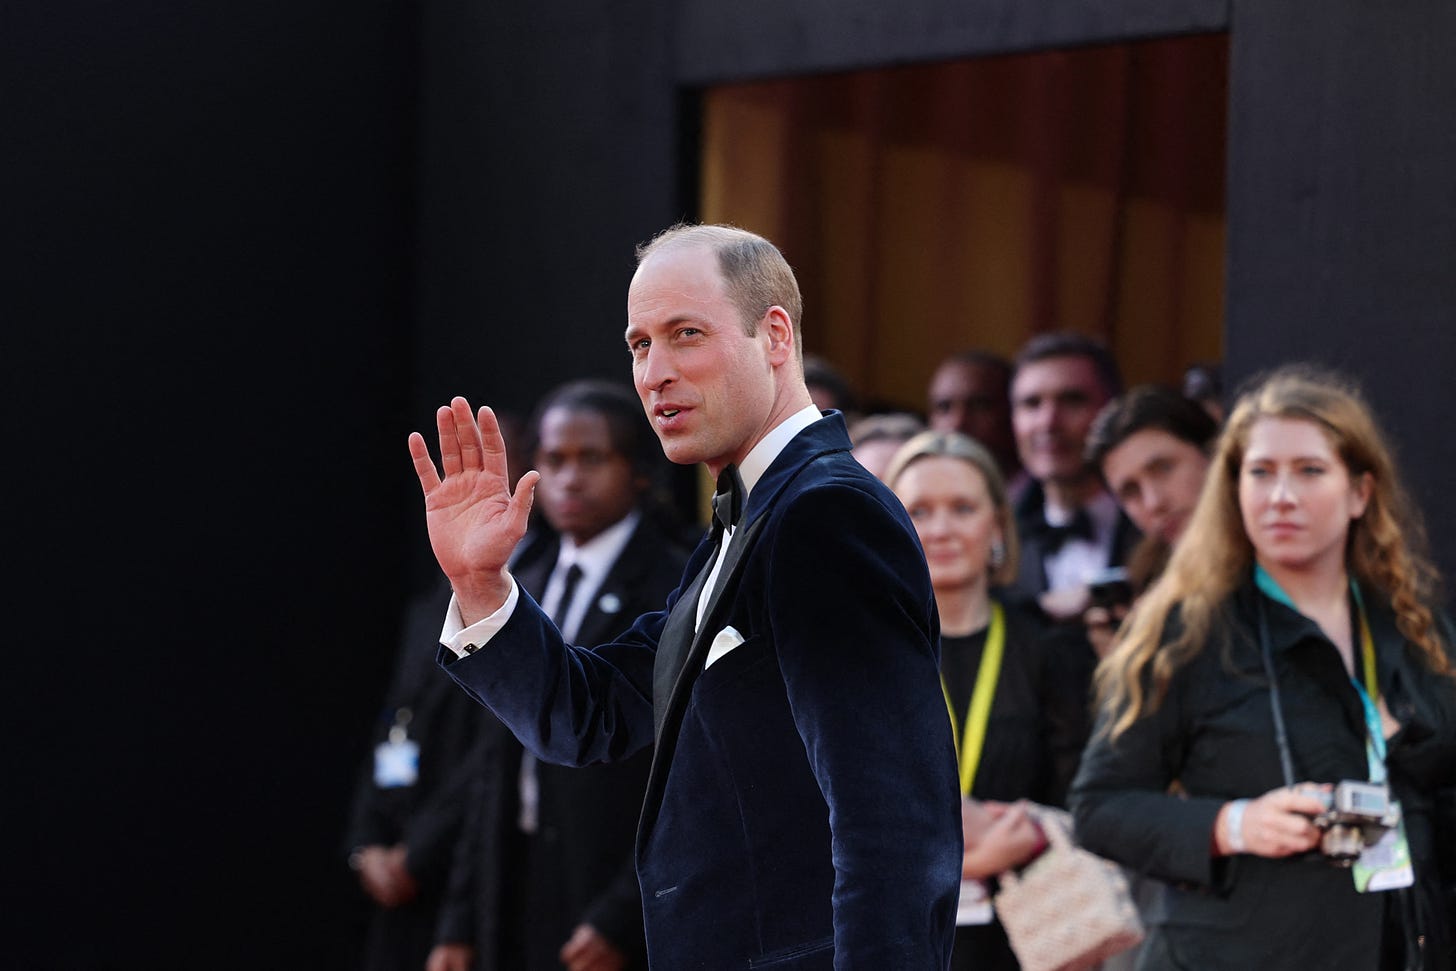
{"points": [[779, 329]]}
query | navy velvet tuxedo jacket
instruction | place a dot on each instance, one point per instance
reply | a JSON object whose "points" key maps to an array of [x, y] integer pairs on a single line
{"points": [[802, 810]]}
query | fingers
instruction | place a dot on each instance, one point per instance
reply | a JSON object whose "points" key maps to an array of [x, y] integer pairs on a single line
{"points": [[521, 501], [424, 466], [466, 444], [1278, 823], [459, 437]]}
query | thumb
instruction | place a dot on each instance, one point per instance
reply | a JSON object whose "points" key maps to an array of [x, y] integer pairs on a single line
{"points": [[524, 497]]}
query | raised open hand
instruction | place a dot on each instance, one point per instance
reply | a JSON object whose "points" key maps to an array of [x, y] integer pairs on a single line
{"points": [[474, 519]]}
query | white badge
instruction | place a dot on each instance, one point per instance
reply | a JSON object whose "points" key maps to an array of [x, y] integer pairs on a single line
{"points": [[975, 904], [397, 761], [1387, 864]]}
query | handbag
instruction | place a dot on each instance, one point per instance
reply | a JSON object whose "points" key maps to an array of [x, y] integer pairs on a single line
{"points": [[1068, 909]]}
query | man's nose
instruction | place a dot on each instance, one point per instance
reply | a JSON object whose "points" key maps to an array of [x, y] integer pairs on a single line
{"points": [[657, 370]]}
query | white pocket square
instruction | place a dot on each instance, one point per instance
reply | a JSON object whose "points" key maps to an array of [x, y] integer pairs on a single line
{"points": [[726, 640]]}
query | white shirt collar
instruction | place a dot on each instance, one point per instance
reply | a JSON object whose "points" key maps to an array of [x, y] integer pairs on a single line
{"points": [[596, 555], [761, 456]]}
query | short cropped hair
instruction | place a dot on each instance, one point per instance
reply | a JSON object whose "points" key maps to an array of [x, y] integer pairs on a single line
{"points": [[1063, 343], [755, 274]]}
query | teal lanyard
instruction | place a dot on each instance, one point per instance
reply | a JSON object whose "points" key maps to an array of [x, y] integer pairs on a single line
{"points": [[1374, 729]]}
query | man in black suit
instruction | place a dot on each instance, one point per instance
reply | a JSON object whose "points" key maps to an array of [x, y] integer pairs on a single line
{"points": [[802, 810], [1070, 528], [545, 876], [406, 813]]}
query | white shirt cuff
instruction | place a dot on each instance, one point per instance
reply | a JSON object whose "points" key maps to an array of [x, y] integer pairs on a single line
{"points": [[467, 640]]}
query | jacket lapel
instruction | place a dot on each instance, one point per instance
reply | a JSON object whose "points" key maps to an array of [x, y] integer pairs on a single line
{"points": [[681, 650], [674, 645]]}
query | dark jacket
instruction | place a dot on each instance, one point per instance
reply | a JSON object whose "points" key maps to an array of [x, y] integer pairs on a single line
{"points": [[802, 810], [426, 816], [1215, 735], [1034, 737], [518, 897], [1030, 515]]}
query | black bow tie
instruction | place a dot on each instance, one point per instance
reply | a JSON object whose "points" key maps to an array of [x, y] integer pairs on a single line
{"points": [[728, 500], [1050, 538]]}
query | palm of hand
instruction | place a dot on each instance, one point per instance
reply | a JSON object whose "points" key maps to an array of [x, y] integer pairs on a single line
{"points": [[469, 521], [473, 520]]}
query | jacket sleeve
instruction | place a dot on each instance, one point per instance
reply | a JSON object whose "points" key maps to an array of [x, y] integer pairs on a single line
{"points": [[1122, 807], [567, 705], [854, 630]]}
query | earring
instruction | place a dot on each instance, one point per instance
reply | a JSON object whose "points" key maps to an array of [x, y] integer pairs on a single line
{"points": [[998, 554]]}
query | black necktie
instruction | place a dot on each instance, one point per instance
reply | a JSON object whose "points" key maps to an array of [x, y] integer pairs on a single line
{"points": [[728, 500], [1051, 538], [568, 592]]}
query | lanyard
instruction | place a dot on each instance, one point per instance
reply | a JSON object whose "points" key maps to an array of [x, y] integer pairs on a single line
{"points": [[1369, 694], [970, 742]]}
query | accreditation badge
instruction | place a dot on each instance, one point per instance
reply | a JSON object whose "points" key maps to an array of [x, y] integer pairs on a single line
{"points": [[1387, 864], [397, 761]]}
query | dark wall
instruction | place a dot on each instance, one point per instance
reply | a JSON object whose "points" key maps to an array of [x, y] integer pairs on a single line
{"points": [[206, 297], [1341, 195]]}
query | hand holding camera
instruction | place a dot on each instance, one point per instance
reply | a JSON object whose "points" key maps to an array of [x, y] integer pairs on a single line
{"points": [[1279, 823], [1341, 820]]}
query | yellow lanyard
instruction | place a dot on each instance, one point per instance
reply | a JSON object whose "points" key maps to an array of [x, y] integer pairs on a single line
{"points": [[969, 744], [1367, 649], [1370, 696]]}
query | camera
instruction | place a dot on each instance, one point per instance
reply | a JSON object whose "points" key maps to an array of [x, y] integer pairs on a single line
{"points": [[1110, 588], [1356, 815]]}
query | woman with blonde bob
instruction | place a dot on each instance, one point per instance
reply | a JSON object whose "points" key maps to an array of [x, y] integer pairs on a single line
{"points": [[1290, 646], [1018, 727]]}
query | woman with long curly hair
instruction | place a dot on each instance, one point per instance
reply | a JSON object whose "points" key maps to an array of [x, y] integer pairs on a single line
{"points": [[1290, 645]]}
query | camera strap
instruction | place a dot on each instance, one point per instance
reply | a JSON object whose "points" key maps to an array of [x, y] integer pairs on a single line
{"points": [[1387, 864], [1281, 735], [1369, 692]]}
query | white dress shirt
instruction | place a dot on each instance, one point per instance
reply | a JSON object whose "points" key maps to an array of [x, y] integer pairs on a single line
{"points": [[1078, 559]]}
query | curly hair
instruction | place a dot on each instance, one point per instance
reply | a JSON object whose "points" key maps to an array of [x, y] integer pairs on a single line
{"points": [[1385, 547]]}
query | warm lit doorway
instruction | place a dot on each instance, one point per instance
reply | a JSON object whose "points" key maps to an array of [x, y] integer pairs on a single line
{"points": [[936, 207]]}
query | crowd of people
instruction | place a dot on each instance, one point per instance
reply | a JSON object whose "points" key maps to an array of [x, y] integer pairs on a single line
{"points": [[816, 733]]}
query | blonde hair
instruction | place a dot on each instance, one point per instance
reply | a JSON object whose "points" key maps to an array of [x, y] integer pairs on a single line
{"points": [[957, 446], [1384, 548]]}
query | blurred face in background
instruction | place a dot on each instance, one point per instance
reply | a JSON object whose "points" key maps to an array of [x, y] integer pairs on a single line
{"points": [[1053, 403], [972, 399], [587, 485], [1297, 497], [955, 516], [1156, 477]]}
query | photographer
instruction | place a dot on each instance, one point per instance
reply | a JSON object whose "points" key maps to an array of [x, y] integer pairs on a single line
{"points": [[1289, 646]]}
